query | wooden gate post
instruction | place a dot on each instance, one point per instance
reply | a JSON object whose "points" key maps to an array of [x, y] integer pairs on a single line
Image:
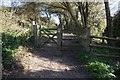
{"points": [[35, 32], [59, 38], [40, 37], [87, 45]]}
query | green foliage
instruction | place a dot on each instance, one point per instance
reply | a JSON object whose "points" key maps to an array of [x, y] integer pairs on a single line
{"points": [[106, 51], [100, 67], [101, 70], [96, 18], [116, 27], [10, 42], [84, 56]]}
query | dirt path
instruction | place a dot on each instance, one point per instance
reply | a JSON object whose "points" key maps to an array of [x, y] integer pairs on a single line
{"points": [[48, 62]]}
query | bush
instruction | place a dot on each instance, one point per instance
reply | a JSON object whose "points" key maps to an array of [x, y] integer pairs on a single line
{"points": [[100, 70], [100, 67], [10, 42], [84, 56]]}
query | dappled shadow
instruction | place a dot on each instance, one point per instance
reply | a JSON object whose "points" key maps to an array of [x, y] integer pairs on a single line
{"points": [[56, 74], [49, 62], [10, 43], [50, 51]]}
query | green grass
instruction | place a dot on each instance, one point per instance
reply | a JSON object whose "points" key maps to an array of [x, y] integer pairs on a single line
{"points": [[106, 51]]}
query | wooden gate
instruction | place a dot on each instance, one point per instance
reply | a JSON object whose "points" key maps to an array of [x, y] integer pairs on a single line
{"points": [[48, 34], [43, 36]]}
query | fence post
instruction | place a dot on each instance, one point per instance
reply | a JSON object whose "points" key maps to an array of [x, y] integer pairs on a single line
{"points": [[35, 32], [59, 38], [87, 45], [40, 37]]}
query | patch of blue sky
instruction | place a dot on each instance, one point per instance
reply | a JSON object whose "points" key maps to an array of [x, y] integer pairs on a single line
{"points": [[114, 4], [53, 17], [9, 3], [5, 3]]}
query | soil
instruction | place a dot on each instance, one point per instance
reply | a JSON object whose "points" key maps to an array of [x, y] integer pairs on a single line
{"points": [[49, 62]]}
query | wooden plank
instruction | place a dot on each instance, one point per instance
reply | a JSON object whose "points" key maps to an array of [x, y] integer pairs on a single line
{"points": [[40, 37], [35, 34], [107, 55], [103, 46], [59, 38], [69, 39], [108, 38], [51, 38], [87, 46], [48, 29]]}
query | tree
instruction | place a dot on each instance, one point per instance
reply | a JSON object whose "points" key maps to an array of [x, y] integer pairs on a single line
{"points": [[116, 27], [83, 9], [66, 8], [96, 18], [108, 30]]}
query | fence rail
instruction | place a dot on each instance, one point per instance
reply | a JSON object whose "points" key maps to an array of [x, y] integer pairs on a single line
{"points": [[88, 39], [105, 46], [48, 29], [107, 38]]}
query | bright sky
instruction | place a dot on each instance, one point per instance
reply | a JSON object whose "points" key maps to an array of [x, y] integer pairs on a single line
{"points": [[114, 4]]}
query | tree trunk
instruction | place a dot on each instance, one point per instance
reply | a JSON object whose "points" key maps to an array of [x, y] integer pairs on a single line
{"points": [[74, 17], [66, 24], [84, 13], [108, 30]]}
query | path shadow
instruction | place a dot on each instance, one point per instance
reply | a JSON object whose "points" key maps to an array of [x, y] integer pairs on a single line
{"points": [[9, 44], [66, 56], [55, 74], [63, 56]]}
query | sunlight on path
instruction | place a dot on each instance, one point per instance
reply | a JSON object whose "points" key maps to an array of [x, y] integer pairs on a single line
{"points": [[48, 66], [39, 64]]}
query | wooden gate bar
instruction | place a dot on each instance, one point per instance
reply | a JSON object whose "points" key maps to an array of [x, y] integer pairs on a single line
{"points": [[51, 38], [48, 29]]}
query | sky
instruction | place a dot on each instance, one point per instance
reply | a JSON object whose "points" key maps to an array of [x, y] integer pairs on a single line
{"points": [[114, 5]]}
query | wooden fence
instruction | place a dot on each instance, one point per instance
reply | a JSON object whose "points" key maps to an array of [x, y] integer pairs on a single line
{"points": [[89, 38]]}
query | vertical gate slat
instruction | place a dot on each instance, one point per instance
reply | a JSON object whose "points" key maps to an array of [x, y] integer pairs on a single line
{"points": [[59, 38], [35, 33]]}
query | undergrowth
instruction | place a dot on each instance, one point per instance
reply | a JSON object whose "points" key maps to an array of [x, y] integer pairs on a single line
{"points": [[100, 67], [10, 43]]}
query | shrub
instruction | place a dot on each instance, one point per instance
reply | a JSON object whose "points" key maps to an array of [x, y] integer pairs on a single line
{"points": [[100, 67], [10, 42], [100, 70]]}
